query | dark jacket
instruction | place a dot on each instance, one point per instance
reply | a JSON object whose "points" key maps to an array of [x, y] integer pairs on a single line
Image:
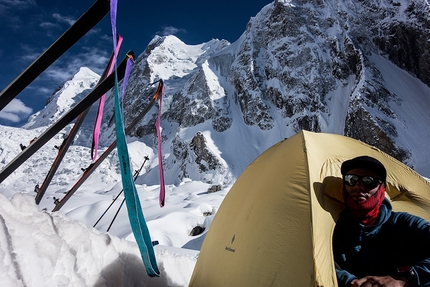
{"points": [[397, 239]]}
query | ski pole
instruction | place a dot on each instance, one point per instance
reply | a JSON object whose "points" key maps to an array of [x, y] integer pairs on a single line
{"points": [[135, 177], [108, 208], [119, 208]]}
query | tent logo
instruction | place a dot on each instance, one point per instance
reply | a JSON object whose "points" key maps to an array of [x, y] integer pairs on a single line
{"points": [[229, 248]]}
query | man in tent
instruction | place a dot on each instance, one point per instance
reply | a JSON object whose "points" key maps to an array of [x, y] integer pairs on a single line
{"points": [[372, 245]]}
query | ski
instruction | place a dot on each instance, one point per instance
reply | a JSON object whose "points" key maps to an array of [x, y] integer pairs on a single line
{"points": [[84, 24], [98, 91], [90, 169], [162, 197], [69, 139], [61, 153]]}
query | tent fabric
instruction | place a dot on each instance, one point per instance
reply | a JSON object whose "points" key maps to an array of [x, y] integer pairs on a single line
{"points": [[274, 227]]}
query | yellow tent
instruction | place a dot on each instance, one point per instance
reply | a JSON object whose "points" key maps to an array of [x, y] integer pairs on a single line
{"points": [[274, 227]]}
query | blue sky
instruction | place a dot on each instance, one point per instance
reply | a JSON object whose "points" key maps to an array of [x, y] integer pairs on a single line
{"points": [[28, 27]]}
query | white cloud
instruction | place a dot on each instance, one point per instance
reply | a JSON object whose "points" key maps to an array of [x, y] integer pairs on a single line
{"points": [[9, 9], [93, 58], [29, 54], [170, 30], [17, 3], [15, 111], [42, 90], [59, 19], [59, 74], [64, 19], [48, 25]]}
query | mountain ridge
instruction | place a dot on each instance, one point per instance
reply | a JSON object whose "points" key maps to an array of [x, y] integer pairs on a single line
{"points": [[319, 65]]}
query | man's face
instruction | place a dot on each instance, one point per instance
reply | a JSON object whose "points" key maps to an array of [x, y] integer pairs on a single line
{"points": [[360, 187]]}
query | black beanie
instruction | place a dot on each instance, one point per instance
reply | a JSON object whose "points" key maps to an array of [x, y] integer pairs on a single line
{"points": [[365, 162]]}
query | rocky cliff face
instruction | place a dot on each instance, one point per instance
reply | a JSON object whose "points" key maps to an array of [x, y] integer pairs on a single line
{"points": [[319, 65], [298, 65]]}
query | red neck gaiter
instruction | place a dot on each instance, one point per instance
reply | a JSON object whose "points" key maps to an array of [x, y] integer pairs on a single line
{"points": [[365, 212]]}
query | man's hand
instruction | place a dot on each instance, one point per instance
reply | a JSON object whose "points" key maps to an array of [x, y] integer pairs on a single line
{"points": [[380, 281]]}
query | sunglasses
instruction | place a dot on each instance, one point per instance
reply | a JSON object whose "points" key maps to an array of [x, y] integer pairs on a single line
{"points": [[368, 181]]}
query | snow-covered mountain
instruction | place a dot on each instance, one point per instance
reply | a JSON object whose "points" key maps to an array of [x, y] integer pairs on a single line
{"points": [[355, 68], [358, 69], [64, 97]]}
